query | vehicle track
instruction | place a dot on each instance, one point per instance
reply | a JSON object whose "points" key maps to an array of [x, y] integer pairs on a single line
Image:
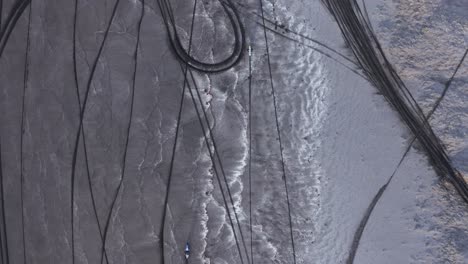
{"points": [[360, 230], [90, 187], [15, 13], [169, 20], [78, 134], [370, 55], [179, 117], [249, 14], [124, 158], [3, 234], [360, 38], [223, 173], [182, 55], [279, 136], [23, 113], [250, 156], [1, 12], [213, 156]]}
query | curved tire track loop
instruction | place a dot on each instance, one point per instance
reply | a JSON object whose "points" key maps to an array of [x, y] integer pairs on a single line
{"points": [[205, 67], [189, 62]]}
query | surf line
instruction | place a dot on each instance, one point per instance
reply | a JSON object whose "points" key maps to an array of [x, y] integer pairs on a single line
{"points": [[185, 58], [283, 169]]}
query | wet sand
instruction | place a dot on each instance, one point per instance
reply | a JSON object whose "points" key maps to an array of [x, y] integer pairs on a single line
{"points": [[341, 140]]}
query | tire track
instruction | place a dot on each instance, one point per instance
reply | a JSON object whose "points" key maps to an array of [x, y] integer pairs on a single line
{"points": [[93, 200], [216, 154], [250, 156], [132, 101], [360, 230], [370, 55], [249, 14], [4, 234], [169, 19], [15, 13], [279, 135], [1, 13], [360, 38], [176, 44], [213, 157], [179, 117], [78, 133], [23, 113]]}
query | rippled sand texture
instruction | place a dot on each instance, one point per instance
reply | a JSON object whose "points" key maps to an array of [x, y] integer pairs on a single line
{"points": [[301, 89]]}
